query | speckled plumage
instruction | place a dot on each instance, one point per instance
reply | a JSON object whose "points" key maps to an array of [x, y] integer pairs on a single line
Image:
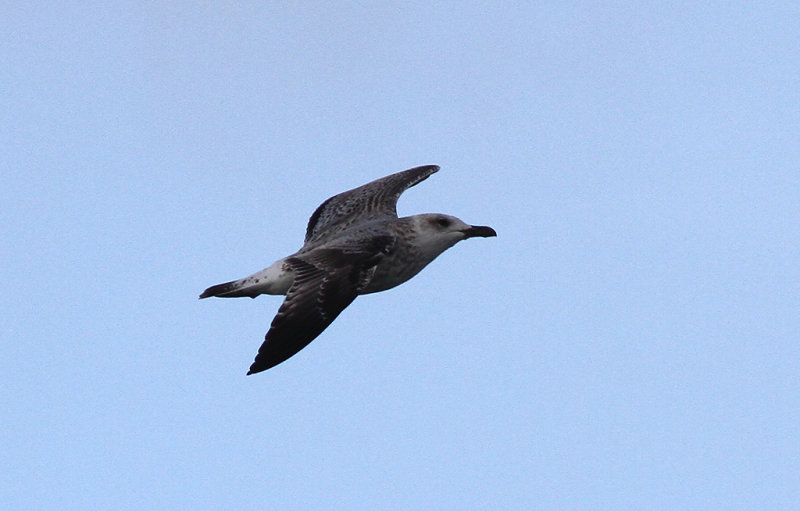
{"points": [[355, 244]]}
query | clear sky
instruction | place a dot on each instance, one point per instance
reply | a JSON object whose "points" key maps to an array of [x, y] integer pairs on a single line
{"points": [[630, 340]]}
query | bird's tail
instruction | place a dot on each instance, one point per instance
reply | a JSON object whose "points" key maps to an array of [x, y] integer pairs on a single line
{"points": [[233, 289], [274, 280]]}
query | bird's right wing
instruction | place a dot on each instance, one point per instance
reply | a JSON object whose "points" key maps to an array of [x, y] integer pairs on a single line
{"points": [[372, 200]]}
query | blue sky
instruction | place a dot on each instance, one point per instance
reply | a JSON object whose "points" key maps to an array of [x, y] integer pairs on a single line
{"points": [[628, 341]]}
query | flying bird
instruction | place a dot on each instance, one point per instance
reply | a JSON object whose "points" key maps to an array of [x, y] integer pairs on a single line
{"points": [[355, 245]]}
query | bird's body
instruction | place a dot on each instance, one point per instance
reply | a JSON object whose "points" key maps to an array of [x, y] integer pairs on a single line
{"points": [[355, 244]]}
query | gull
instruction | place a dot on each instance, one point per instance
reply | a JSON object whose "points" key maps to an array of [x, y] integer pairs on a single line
{"points": [[355, 244]]}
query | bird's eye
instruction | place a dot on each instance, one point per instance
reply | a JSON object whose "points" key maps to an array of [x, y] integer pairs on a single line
{"points": [[443, 222]]}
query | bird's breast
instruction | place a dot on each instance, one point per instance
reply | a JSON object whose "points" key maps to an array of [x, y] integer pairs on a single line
{"points": [[395, 268]]}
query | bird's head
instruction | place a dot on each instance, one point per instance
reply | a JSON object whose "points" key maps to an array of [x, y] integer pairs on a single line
{"points": [[437, 232]]}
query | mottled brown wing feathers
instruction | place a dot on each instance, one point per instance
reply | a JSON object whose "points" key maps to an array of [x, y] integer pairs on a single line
{"points": [[326, 282], [375, 199]]}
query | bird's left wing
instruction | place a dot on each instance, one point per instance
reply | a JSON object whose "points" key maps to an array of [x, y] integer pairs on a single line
{"points": [[326, 281]]}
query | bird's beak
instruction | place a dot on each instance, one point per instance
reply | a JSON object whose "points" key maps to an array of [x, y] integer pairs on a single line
{"points": [[479, 230]]}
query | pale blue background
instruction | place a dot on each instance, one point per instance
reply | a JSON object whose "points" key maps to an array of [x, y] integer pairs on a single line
{"points": [[628, 341]]}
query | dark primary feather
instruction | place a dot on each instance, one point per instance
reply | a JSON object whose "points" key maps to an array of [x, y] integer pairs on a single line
{"points": [[326, 282], [378, 198]]}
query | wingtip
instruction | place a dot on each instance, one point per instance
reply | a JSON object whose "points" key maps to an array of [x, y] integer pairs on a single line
{"points": [[256, 367], [430, 168], [252, 371]]}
